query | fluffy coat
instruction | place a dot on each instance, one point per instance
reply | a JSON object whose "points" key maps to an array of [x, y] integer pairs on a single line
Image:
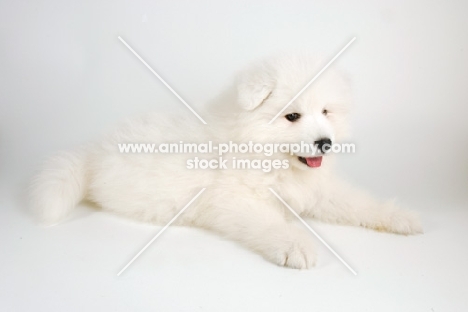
{"points": [[237, 203]]}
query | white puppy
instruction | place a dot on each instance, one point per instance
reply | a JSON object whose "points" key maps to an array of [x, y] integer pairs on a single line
{"points": [[237, 203]]}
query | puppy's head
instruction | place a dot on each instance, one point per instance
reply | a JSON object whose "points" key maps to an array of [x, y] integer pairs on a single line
{"points": [[317, 116]]}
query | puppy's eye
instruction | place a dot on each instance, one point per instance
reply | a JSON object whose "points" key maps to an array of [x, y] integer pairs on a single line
{"points": [[325, 112], [293, 117]]}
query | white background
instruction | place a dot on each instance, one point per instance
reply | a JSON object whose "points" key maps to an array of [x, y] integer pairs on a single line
{"points": [[65, 79]]}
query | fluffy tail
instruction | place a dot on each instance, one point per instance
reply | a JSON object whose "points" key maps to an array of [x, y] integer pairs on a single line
{"points": [[59, 187]]}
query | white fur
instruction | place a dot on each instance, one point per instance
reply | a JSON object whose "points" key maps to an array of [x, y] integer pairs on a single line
{"points": [[237, 203]]}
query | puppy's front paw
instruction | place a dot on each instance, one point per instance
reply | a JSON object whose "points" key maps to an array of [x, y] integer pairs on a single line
{"points": [[398, 221], [290, 247]]}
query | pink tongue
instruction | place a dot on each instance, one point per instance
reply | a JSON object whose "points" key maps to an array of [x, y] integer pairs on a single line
{"points": [[314, 161]]}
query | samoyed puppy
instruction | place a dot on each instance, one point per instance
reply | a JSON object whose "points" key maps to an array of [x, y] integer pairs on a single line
{"points": [[237, 203]]}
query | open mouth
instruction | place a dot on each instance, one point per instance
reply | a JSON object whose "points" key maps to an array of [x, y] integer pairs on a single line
{"points": [[313, 162]]}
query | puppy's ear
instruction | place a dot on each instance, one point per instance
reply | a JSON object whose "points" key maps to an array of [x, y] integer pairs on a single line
{"points": [[254, 87]]}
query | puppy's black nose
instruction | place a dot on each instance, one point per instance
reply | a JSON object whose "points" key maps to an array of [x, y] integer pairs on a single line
{"points": [[324, 144]]}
